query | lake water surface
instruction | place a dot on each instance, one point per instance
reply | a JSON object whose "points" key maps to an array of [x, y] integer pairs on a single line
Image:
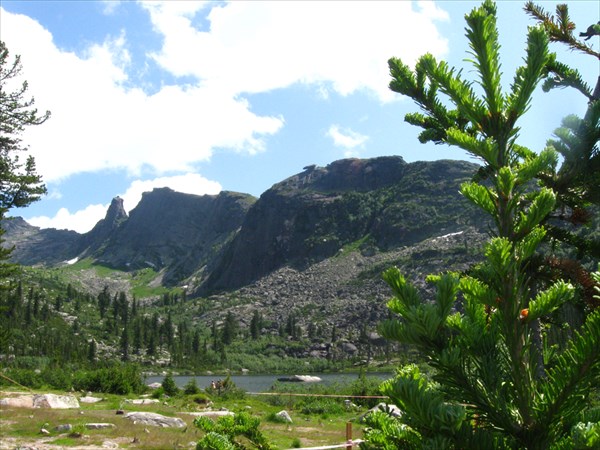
{"points": [[262, 383]]}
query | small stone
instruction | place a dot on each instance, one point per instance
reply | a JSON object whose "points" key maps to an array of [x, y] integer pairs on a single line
{"points": [[63, 428], [285, 416], [120, 412], [44, 432], [99, 426]]}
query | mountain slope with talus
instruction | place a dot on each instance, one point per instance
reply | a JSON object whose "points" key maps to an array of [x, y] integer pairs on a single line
{"points": [[216, 243]]}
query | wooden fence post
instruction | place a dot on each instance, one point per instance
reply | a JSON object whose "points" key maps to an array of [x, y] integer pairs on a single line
{"points": [[349, 435]]}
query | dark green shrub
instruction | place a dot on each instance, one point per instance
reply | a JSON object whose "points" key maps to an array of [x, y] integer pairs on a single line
{"points": [[158, 393], [200, 399], [191, 387], [320, 406], [57, 378], [25, 377], [169, 386], [118, 379], [227, 389], [274, 418]]}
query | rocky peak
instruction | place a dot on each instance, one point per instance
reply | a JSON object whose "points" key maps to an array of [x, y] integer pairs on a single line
{"points": [[115, 216], [116, 212], [344, 175]]}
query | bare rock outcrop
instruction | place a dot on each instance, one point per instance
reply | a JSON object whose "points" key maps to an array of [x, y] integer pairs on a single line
{"points": [[155, 420]]}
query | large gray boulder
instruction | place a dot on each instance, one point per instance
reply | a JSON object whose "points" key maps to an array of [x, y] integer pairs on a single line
{"points": [[155, 420], [54, 401]]}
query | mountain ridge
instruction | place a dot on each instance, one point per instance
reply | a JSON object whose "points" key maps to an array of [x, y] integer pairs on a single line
{"points": [[226, 241]]}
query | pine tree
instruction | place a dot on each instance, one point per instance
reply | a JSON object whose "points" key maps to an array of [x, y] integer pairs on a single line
{"points": [[256, 324], [230, 328], [124, 345], [21, 185], [488, 388]]}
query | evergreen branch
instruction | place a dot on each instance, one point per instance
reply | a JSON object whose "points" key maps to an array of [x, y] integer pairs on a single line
{"points": [[549, 300], [480, 196], [388, 433], [559, 29], [423, 404], [567, 384], [482, 34], [527, 77], [460, 92], [540, 207], [560, 75]]}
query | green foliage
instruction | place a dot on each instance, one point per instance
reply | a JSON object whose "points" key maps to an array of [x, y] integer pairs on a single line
{"points": [[191, 387], [169, 387], [21, 185], [116, 379], [231, 432], [496, 381], [386, 433]]}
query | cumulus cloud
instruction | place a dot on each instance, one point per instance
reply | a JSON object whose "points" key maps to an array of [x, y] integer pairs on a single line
{"points": [[260, 46], [101, 120], [98, 123], [346, 138], [80, 221], [85, 219]]}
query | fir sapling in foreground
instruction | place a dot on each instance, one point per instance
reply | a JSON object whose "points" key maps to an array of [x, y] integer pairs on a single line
{"points": [[496, 381]]}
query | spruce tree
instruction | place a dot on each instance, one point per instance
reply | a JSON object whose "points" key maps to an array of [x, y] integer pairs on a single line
{"points": [[20, 185], [490, 386]]}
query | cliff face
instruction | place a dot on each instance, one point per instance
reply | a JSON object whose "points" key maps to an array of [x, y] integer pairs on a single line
{"points": [[33, 245], [225, 241], [378, 204], [178, 233]]}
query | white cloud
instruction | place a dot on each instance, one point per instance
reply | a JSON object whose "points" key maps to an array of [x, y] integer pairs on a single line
{"points": [[97, 123], [85, 219], [80, 221], [260, 46], [346, 138]]}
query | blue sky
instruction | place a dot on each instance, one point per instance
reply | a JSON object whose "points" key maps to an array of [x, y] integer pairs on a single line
{"points": [[210, 96]]}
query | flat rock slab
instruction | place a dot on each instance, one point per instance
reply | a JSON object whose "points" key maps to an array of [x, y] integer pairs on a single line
{"points": [[22, 401], [89, 399], [99, 426], [142, 401], [54, 401], [210, 413], [155, 420], [51, 401]]}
